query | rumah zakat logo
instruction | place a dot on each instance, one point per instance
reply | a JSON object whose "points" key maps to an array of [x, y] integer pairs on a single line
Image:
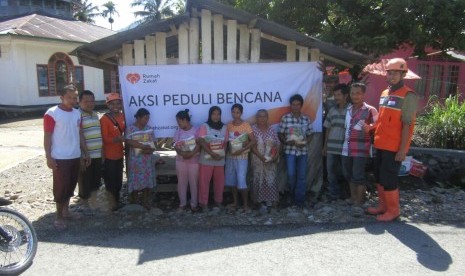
{"points": [[133, 77]]}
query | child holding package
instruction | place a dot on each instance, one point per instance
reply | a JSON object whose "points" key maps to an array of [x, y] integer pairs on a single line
{"points": [[187, 159], [241, 140]]}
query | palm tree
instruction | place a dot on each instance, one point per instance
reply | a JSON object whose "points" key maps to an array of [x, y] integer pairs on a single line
{"points": [[110, 10], [85, 12], [152, 9]]}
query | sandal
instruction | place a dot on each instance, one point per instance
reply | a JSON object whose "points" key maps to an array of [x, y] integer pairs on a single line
{"points": [[60, 225]]}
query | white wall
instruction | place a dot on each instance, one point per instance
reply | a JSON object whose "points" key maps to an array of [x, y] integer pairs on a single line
{"points": [[93, 81], [8, 90], [18, 71]]}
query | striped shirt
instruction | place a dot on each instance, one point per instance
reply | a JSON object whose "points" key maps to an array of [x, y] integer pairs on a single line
{"points": [[92, 133], [335, 122]]}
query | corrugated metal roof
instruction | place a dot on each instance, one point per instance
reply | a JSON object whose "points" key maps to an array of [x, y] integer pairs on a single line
{"points": [[42, 26], [272, 50]]}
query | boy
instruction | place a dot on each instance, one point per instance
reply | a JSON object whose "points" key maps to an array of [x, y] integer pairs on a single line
{"points": [[64, 145], [89, 177], [293, 133]]}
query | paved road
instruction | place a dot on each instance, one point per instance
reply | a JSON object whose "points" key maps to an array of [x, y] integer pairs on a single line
{"points": [[374, 249], [19, 141]]}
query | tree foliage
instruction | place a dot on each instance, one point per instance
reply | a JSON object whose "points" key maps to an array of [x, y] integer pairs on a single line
{"points": [[109, 11], [152, 9], [85, 11], [369, 26]]}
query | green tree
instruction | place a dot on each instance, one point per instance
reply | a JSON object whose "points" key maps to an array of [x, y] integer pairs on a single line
{"points": [[179, 6], [109, 11], [84, 11], [369, 26], [152, 9]]}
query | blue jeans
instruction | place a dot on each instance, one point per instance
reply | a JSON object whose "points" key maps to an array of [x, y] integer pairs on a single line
{"points": [[334, 168], [296, 170]]}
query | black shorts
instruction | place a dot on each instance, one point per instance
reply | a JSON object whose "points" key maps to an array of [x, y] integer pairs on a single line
{"points": [[387, 169]]}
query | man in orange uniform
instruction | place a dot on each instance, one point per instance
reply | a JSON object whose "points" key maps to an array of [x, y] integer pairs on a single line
{"points": [[393, 134], [113, 127]]}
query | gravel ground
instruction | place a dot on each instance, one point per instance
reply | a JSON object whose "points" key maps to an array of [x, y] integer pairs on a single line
{"points": [[28, 184]]}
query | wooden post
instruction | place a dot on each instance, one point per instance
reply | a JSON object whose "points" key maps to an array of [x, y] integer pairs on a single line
{"points": [[127, 54], [314, 54], [206, 25], [150, 53], [139, 52], [183, 44], [194, 41], [255, 47], [232, 41], [160, 41], [303, 54], [218, 38], [291, 47], [244, 42]]}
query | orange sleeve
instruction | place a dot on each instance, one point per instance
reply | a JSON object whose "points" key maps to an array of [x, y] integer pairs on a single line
{"points": [[106, 131]]}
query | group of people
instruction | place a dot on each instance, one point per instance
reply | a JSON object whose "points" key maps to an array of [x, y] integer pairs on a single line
{"points": [[356, 131], [236, 154]]}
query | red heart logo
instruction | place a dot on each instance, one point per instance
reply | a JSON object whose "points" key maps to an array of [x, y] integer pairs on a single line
{"points": [[133, 77]]}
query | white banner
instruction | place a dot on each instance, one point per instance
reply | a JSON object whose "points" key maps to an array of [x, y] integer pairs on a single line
{"points": [[166, 89]]}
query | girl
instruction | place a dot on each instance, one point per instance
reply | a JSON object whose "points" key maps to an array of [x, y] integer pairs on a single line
{"points": [[187, 159], [241, 141]]}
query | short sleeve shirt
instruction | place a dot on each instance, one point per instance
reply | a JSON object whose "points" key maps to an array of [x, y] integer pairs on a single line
{"points": [[335, 122], [235, 131], [181, 134], [288, 121]]}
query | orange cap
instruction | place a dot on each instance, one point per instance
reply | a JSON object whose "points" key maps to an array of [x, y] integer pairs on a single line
{"points": [[113, 96], [398, 64]]}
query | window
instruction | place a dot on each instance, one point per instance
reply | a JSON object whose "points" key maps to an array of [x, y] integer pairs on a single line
{"points": [[42, 79], [59, 72], [79, 78], [420, 85], [452, 79], [61, 76], [436, 80], [111, 81]]}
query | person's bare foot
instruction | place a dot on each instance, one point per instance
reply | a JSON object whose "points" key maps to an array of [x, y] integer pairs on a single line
{"points": [[231, 207], [60, 225]]}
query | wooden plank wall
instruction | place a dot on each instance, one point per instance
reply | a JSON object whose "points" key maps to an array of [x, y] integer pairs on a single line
{"points": [[243, 44]]}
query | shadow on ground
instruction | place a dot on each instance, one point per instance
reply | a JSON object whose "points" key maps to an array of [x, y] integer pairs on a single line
{"points": [[160, 242]]}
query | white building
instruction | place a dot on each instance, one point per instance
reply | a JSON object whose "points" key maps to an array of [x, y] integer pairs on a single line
{"points": [[34, 59]]}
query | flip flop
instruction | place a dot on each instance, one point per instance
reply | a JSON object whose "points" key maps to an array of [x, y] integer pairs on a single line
{"points": [[60, 225]]}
